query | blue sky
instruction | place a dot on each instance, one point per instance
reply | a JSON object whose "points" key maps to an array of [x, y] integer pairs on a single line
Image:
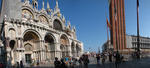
{"points": [[89, 17]]}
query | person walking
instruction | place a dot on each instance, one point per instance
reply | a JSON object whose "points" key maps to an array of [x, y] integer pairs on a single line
{"points": [[103, 58], [17, 65], [117, 61], [67, 60], [21, 64], [63, 65], [98, 58], [1, 65], [110, 57], [85, 61], [57, 63], [80, 62]]}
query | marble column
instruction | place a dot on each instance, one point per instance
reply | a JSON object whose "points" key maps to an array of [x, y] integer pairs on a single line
{"points": [[69, 49], [8, 51], [42, 50], [20, 50], [75, 51], [57, 50]]}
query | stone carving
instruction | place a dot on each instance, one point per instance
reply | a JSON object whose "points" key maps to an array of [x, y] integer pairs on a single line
{"points": [[27, 14], [43, 19]]}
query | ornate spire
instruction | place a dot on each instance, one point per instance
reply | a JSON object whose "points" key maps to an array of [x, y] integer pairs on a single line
{"points": [[48, 7], [26, 1], [56, 7], [74, 29], [43, 5], [58, 14], [69, 25], [56, 3], [35, 3], [63, 18], [57, 10]]}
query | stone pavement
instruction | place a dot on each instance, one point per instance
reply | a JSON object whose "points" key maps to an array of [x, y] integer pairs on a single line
{"points": [[143, 63]]}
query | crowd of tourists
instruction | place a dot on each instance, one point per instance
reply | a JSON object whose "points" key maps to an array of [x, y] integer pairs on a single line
{"points": [[17, 65], [115, 57], [70, 62], [82, 61]]}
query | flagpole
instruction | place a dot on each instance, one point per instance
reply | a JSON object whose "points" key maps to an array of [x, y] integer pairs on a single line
{"points": [[138, 33], [107, 27]]}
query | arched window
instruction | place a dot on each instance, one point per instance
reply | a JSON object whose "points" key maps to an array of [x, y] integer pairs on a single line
{"points": [[57, 25], [43, 19], [27, 14], [12, 33], [12, 44], [64, 40], [31, 37], [49, 40]]}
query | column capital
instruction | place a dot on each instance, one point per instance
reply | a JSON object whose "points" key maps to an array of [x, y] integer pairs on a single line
{"points": [[41, 40], [19, 38]]}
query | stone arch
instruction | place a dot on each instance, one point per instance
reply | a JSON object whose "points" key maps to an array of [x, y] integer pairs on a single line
{"points": [[64, 39], [34, 31], [64, 45], [54, 17], [12, 33], [50, 45], [28, 10], [43, 18], [28, 7], [31, 36], [49, 40]]}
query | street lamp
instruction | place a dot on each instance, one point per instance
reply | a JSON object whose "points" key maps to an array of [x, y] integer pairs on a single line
{"points": [[138, 34]]}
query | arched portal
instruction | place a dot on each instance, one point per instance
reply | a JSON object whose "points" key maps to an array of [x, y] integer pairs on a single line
{"points": [[64, 46], [28, 50], [49, 46], [12, 44], [32, 46]]}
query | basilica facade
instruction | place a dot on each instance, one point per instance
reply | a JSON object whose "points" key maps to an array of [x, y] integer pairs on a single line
{"points": [[29, 34]]}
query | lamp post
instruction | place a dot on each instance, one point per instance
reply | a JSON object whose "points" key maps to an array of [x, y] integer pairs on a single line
{"points": [[138, 34]]}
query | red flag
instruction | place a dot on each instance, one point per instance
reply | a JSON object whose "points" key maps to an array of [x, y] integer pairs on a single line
{"points": [[108, 24]]}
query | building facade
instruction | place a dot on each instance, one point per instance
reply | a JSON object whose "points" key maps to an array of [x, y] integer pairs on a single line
{"points": [[144, 43], [118, 26], [29, 34]]}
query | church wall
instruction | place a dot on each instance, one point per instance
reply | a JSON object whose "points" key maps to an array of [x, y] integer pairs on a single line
{"points": [[16, 29]]}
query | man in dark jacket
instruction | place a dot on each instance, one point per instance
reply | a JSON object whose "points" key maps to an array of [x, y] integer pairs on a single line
{"points": [[98, 58], [117, 57], [63, 65], [85, 61], [57, 63]]}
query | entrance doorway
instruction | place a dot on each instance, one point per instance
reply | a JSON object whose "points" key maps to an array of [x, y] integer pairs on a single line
{"points": [[28, 58]]}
